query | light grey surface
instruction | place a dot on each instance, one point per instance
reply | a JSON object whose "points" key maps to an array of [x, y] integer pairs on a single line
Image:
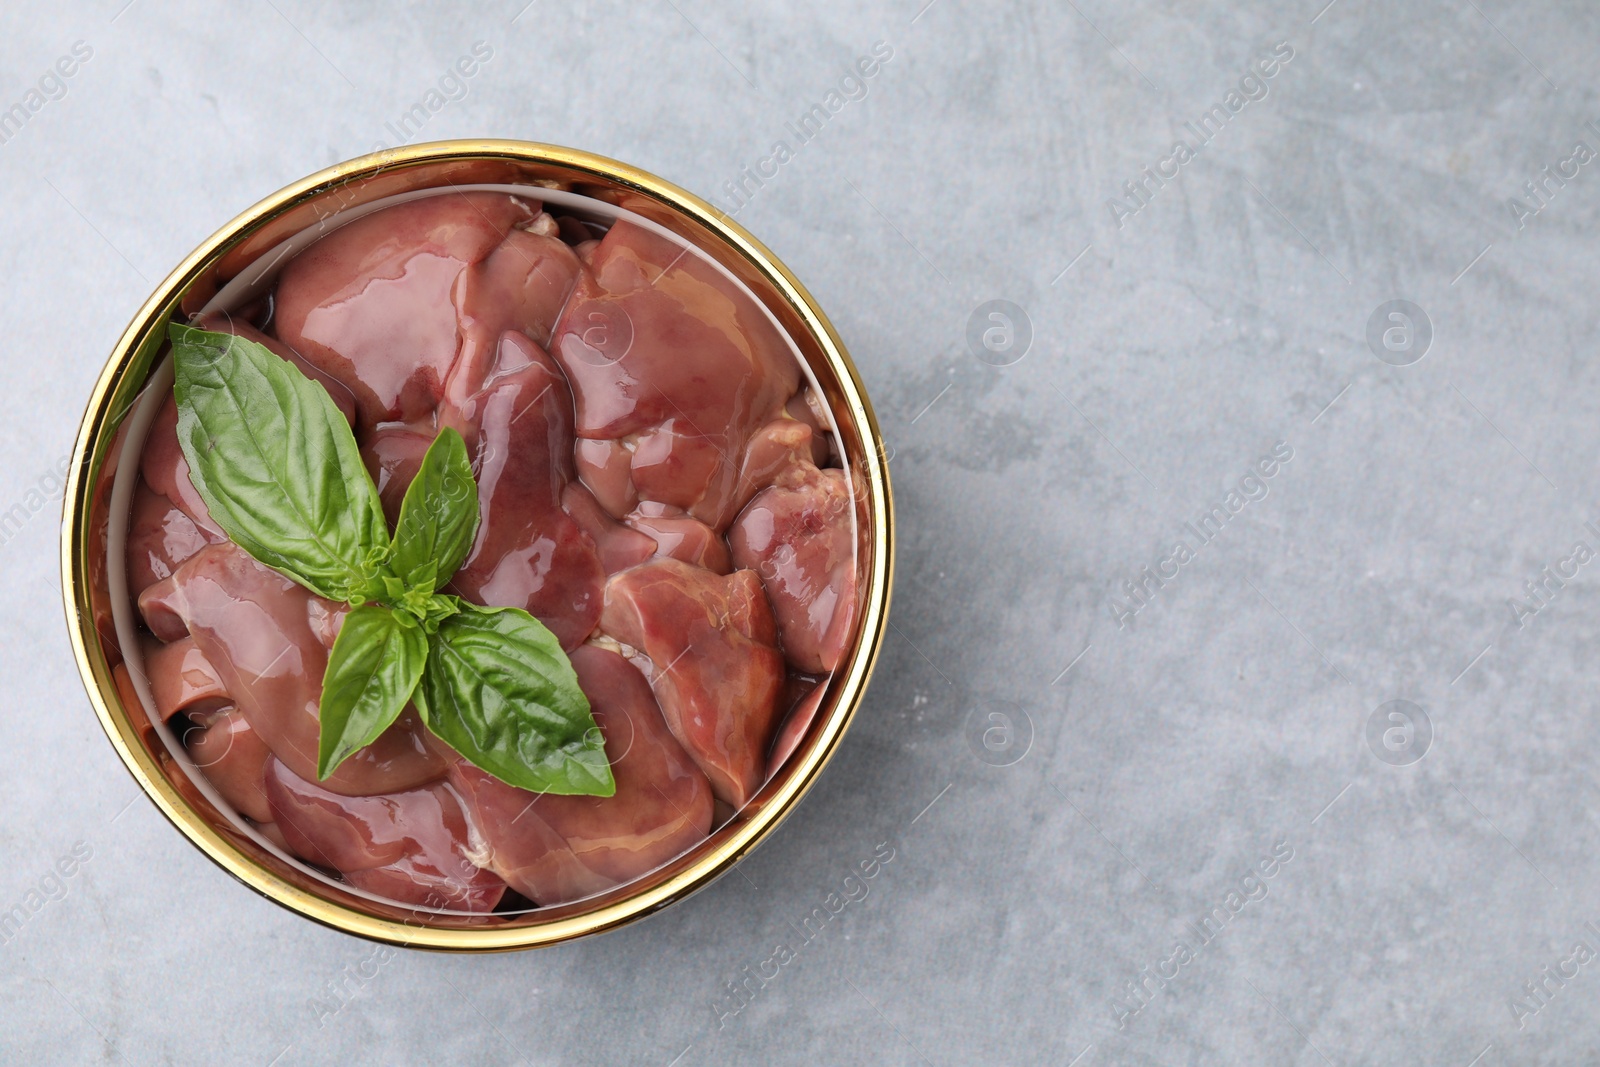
{"points": [[1231, 715]]}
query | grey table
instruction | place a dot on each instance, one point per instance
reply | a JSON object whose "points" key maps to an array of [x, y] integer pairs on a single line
{"points": [[1163, 816]]}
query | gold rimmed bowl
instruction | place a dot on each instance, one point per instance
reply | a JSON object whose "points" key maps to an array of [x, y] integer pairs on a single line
{"points": [[238, 263]]}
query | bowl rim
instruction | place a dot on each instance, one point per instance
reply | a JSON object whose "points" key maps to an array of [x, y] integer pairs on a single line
{"points": [[95, 433]]}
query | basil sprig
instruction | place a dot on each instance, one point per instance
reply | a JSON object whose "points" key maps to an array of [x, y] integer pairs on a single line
{"points": [[280, 471]]}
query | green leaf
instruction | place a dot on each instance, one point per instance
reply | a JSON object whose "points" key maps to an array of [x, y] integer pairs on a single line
{"points": [[499, 690], [374, 668], [438, 517], [432, 609], [276, 463], [280, 471]]}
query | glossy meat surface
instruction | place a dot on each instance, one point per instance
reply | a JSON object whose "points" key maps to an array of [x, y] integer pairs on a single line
{"points": [[182, 679], [521, 286], [659, 344], [646, 454], [160, 536], [709, 648], [799, 537], [166, 471], [554, 849], [372, 303], [233, 758], [529, 553], [795, 725], [682, 538], [261, 632], [779, 446], [805, 407], [619, 546], [606, 468], [392, 455], [416, 843]]}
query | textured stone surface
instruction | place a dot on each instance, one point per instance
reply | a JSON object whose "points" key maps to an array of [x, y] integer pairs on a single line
{"points": [[1229, 717]]}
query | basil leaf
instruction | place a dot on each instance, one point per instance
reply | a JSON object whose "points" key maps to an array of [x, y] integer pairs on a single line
{"points": [[276, 463], [280, 471], [438, 517], [434, 609], [499, 690], [376, 662]]}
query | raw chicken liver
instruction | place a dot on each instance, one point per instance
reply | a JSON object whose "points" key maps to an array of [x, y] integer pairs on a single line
{"points": [[554, 849], [413, 846], [372, 303], [799, 537], [647, 462], [233, 758], [708, 644], [259, 630], [665, 351], [529, 553], [160, 536]]}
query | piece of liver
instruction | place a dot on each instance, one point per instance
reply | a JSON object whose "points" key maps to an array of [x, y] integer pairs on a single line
{"points": [[708, 644], [555, 849]]}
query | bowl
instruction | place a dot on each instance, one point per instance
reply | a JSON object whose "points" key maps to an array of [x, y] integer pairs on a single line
{"points": [[241, 260]]}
